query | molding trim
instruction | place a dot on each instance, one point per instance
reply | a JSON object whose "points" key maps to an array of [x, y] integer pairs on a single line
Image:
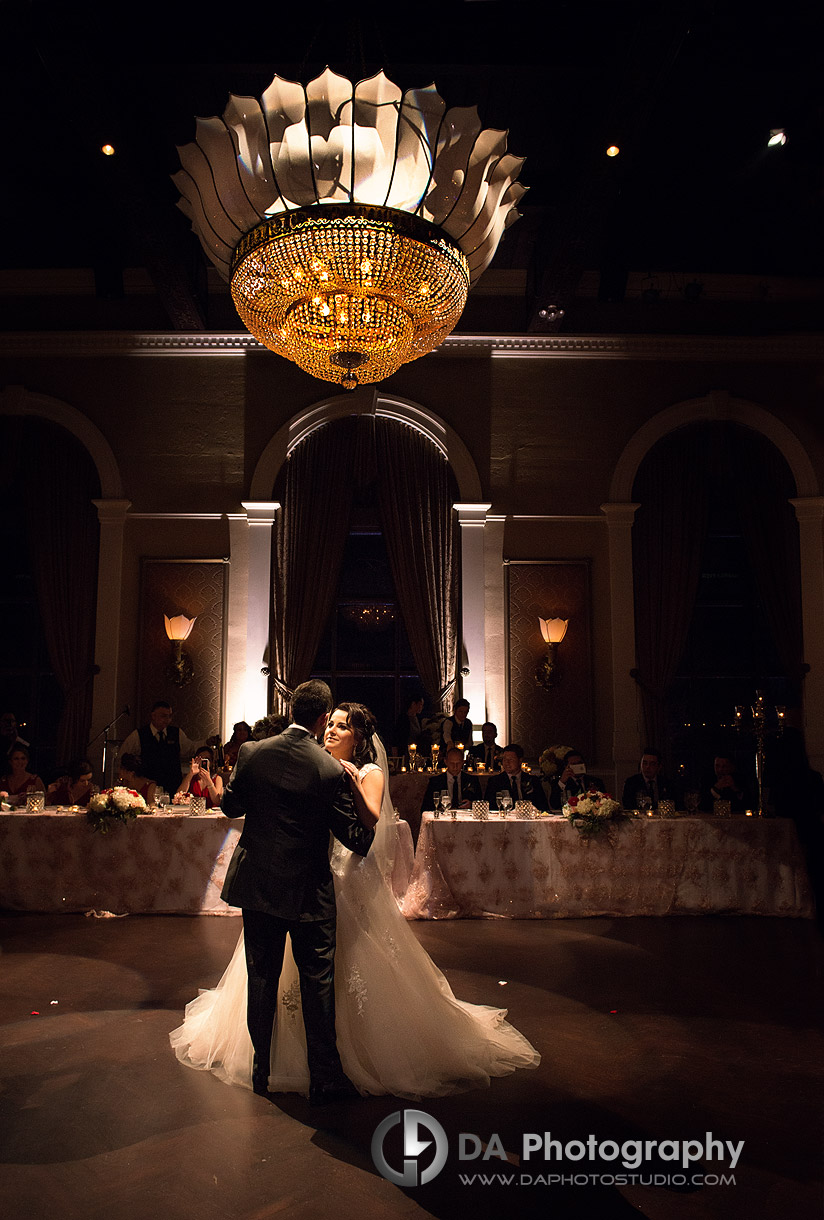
{"points": [[762, 348]]}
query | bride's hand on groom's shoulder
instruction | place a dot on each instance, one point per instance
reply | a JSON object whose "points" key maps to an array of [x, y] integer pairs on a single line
{"points": [[351, 770]]}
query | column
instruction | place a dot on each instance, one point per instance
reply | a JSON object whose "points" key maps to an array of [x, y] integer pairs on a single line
{"points": [[626, 738], [237, 612], [495, 611], [810, 513], [112, 517], [260, 517], [472, 519]]}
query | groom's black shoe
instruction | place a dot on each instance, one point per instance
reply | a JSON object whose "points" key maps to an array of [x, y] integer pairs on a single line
{"points": [[328, 1094], [260, 1085]]}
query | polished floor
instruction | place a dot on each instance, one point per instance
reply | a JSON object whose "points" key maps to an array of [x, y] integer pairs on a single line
{"points": [[650, 1029]]}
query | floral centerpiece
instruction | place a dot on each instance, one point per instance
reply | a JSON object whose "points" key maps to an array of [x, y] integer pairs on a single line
{"points": [[551, 759], [114, 805], [589, 814]]}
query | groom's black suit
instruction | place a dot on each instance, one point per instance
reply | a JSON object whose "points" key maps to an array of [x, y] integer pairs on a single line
{"points": [[292, 793]]}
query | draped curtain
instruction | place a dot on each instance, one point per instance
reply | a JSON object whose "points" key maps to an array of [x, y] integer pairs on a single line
{"points": [[63, 534], [763, 485], [674, 487], [415, 505], [310, 536], [421, 539], [668, 536]]}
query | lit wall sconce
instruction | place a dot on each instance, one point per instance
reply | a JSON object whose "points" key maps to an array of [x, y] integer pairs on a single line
{"points": [[553, 631], [179, 629]]}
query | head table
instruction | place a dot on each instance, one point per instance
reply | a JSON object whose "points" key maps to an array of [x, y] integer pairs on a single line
{"points": [[160, 863], [543, 868]]}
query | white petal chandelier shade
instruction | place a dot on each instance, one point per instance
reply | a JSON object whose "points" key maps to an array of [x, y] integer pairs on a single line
{"points": [[349, 219]]}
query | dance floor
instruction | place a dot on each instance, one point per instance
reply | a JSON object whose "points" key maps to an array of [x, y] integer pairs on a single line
{"points": [[650, 1029]]}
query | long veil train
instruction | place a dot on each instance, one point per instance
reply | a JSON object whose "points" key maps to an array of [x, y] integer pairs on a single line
{"points": [[400, 1029]]}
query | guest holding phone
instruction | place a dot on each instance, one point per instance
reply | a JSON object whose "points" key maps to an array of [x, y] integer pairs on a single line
{"points": [[574, 780], [199, 781]]}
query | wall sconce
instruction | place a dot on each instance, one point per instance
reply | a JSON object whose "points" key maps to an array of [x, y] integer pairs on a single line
{"points": [[179, 629], [553, 630]]}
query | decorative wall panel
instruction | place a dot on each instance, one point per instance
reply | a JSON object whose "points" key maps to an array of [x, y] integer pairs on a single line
{"points": [[562, 715], [195, 588]]}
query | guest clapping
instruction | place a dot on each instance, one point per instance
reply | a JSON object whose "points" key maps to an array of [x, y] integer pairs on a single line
{"points": [[73, 788], [200, 781], [19, 781]]}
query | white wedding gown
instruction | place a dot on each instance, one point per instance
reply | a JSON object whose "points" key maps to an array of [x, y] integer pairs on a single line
{"points": [[400, 1030]]}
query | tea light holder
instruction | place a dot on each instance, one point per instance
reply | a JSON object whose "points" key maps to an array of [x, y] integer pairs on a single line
{"points": [[722, 809], [35, 802], [666, 809], [524, 809], [480, 810], [197, 806]]}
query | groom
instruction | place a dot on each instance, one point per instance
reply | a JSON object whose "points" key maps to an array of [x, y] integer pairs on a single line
{"points": [[292, 793]]}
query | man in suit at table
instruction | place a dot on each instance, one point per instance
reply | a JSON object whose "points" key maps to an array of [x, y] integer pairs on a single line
{"points": [[514, 780], [487, 751], [292, 794], [649, 785], [461, 789]]}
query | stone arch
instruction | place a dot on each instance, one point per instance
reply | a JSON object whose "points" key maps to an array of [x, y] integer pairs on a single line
{"points": [[366, 402], [17, 400], [717, 405]]}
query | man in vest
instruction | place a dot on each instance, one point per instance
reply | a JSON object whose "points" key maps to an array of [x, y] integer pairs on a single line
{"points": [[160, 746]]}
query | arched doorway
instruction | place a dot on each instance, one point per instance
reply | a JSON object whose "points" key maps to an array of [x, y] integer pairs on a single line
{"points": [[358, 490]]}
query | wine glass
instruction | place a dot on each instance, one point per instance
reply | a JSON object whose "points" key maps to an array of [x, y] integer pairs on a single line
{"points": [[644, 803], [436, 803], [505, 802]]}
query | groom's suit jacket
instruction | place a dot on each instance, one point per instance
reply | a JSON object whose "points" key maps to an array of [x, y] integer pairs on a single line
{"points": [[292, 794]]}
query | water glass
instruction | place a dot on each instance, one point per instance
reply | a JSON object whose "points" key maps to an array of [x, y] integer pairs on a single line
{"points": [[505, 802]]}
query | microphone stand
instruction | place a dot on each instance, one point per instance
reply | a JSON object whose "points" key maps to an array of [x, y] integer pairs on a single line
{"points": [[104, 733]]}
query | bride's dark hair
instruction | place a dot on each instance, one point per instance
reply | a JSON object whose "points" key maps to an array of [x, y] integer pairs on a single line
{"points": [[363, 724]]}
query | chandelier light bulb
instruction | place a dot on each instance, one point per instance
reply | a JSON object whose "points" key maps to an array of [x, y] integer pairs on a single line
{"points": [[107, 150], [613, 150], [778, 136]]}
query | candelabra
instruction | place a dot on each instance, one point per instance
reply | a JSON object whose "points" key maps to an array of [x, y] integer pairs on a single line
{"points": [[758, 714]]}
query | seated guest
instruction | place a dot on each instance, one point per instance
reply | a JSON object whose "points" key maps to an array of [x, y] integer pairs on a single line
{"points": [[240, 732], [726, 785], [131, 776], [514, 780], [200, 781], [461, 789], [487, 751], [573, 780], [457, 728], [75, 787], [648, 786], [230, 753], [408, 728], [268, 726], [20, 781]]}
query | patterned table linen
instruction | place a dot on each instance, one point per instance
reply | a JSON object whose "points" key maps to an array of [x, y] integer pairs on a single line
{"points": [[641, 866], [156, 864]]}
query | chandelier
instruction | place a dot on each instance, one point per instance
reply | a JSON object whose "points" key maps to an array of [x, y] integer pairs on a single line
{"points": [[349, 220]]}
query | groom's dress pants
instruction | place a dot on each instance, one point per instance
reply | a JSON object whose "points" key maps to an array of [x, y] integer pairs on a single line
{"points": [[313, 947]]}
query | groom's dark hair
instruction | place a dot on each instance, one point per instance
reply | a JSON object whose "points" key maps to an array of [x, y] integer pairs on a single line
{"points": [[310, 701]]}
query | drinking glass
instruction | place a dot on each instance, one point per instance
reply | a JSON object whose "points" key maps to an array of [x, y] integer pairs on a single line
{"points": [[644, 803], [505, 802], [436, 803]]}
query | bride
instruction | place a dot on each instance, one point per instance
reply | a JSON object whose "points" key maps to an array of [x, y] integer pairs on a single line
{"points": [[400, 1030]]}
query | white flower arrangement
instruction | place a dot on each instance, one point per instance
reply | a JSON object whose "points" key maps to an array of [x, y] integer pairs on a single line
{"points": [[114, 805], [589, 814]]}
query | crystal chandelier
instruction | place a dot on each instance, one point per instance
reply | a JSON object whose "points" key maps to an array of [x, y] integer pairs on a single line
{"points": [[350, 220]]}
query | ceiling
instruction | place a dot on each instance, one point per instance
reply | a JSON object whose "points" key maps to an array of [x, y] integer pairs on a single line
{"points": [[689, 91]]}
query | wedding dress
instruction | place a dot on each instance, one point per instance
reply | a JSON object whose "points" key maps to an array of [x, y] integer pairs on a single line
{"points": [[400, 1030]]}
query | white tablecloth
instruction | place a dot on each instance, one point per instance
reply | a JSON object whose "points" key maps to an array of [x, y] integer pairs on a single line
{"points": [[639, 866], [159, 863]]}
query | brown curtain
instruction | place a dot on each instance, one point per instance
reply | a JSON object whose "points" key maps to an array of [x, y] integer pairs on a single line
{"points": [[668, 536], [310, 536], [421, 538], [763, 485], [64, 536]]}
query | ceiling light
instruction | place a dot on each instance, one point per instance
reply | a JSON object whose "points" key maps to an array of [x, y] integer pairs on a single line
{"points": [[777, 136], [613, 150], [349, 220]]}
